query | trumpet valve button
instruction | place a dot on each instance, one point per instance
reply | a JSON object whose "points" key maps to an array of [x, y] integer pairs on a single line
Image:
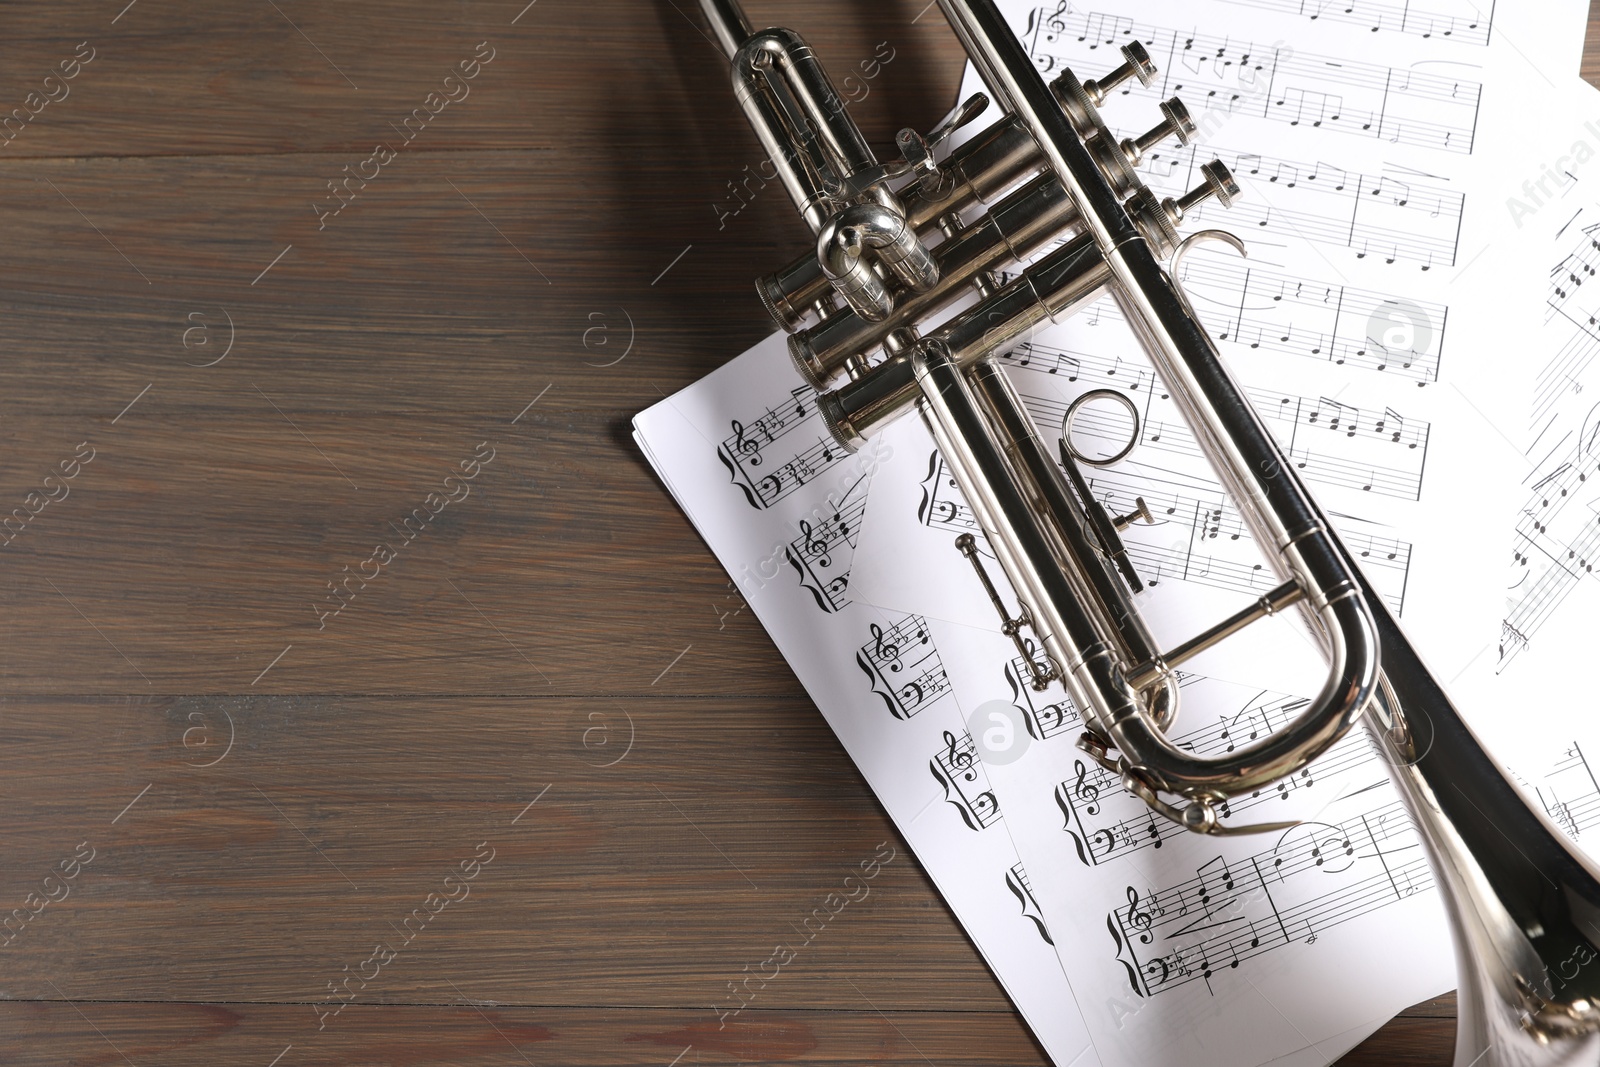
{"points": [[1136, 63], [1219, 183], [1175, 122]]}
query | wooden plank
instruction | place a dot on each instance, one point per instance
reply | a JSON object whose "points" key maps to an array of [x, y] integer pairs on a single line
{"points": [[1591, 49], [322, 824], [193, 550], [199, 79], [1408, 1041], [458, 1031]]}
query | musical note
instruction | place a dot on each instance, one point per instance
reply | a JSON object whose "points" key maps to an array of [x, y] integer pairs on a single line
{"points": [[1244, 916], [1152, 831], [1379, 16], [744, 451], [1064, 360]]}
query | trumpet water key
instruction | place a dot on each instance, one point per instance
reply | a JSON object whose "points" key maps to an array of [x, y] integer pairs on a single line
{"points": [[895, 246]]}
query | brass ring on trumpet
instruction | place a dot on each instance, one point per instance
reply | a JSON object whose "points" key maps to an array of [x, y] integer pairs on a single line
{"points": [[1072, 413]]}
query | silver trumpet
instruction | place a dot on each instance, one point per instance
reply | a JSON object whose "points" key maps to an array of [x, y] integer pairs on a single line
{"points": [[891, 246]]}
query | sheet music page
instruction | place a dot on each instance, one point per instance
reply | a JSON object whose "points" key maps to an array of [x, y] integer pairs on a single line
{"points": [[1368, 313], [1368, 325], [1527, 694], [744, 454], [1377, 378]]}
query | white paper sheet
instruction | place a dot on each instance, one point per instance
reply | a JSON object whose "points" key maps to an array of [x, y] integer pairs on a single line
{"points": [[791, 558], [1368, 340], [783, 509], [1528, 692], [883, 680]]}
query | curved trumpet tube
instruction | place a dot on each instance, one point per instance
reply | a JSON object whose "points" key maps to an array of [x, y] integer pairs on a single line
{"points": [[844, 239]]}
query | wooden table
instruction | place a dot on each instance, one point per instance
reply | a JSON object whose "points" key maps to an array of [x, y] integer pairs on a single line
{"points": [[536, 739]]}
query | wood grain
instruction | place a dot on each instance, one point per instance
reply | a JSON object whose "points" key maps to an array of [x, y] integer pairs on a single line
{"points": [[267, 390]]}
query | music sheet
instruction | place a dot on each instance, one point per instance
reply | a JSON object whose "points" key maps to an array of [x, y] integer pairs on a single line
{"points": [[1368, 312], [746, 456], [1362, 330], [1368, 322], [1536, 708]]}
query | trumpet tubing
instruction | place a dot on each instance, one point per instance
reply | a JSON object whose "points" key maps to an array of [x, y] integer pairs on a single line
{"points": [[889, 250]]}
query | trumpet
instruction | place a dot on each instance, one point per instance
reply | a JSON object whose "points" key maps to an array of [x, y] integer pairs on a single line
{"points": [[890, 247]]}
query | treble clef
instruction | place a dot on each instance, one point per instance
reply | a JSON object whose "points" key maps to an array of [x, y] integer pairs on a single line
{"points": [[815, 545], [959, 759], [1085, 791], [882, 651], [1055, 22], [745, 446], [1139, 919]]}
